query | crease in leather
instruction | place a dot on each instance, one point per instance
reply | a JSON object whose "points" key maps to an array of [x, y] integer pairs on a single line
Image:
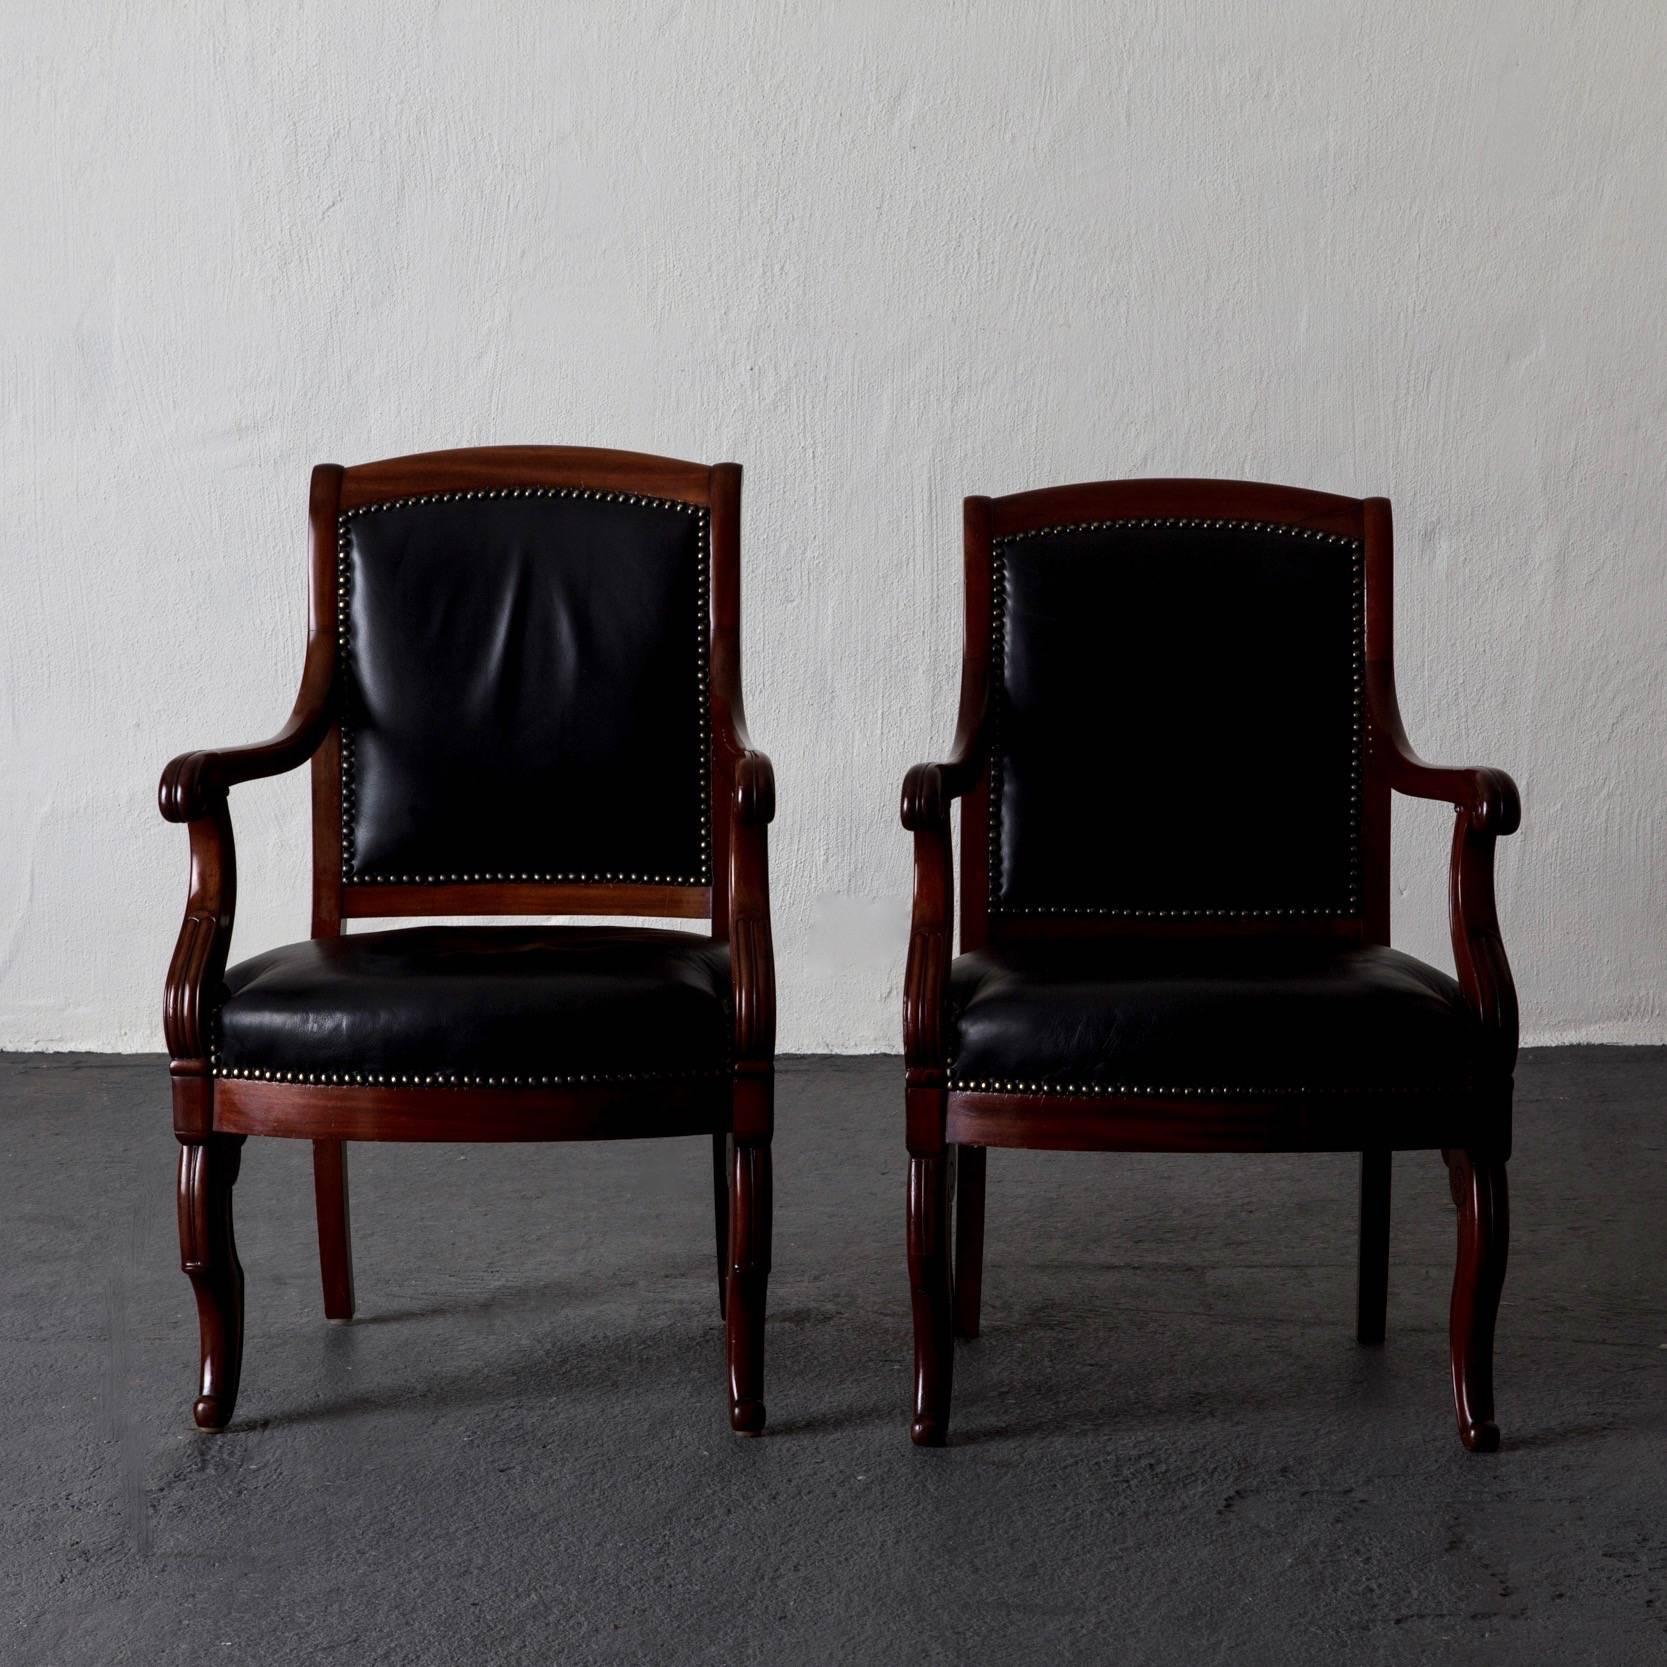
{"points": [[1175, 723], [524, 687], [499, 1000], [1208, 1016]]}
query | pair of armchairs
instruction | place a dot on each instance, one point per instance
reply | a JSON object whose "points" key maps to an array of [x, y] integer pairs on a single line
{"points": [[1178, 739]]}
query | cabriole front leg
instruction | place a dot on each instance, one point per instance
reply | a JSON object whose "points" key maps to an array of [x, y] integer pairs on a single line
{"points": [[208, 1255], [1478, 1182], [335, 1230], [749, 1278], [929, 1280], [1372, 1292], [969, 1237]]}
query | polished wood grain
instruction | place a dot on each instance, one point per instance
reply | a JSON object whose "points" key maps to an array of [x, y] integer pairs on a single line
{"points": [[361, 900], [970, 1171], [1474, 1116], [750, 1214], [212, 1116], [488, 468], [1228, 500], [929, 1282], [335, 1231], [1478, 1181], [208, 1257], [1145, 1123], [650, 1108], [1372, 1287]]}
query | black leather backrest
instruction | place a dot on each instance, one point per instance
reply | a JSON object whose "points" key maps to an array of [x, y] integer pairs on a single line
{"points": [[524, 688], [1177, 721]]}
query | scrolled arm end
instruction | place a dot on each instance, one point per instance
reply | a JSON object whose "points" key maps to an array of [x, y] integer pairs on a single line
{"points": [[195, 780], [925, 804], [188, 787], [1496, 806], [1488, 797], [755, 789]]}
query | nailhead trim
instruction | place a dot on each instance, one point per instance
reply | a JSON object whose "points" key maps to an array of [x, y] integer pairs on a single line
{"points": [[998, 652], [217, 1067], [1149, 1091], [703, 876], [452, 1079]]}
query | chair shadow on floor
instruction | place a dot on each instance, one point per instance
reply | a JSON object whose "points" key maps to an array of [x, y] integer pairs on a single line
{"points": [[467, 1372], [1121, 1382], [599, 1366]]}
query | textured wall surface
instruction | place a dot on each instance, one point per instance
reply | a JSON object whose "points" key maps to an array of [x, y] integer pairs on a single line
{"points": [[883, 255]]}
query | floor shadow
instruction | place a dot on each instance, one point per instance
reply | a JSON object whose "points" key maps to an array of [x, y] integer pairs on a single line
{"points": [[1575, 1434]]}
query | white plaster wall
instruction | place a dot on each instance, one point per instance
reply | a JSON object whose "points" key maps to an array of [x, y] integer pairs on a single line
{"points": [[883, 255]]}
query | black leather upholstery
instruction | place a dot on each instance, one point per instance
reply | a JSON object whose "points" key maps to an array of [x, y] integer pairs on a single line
{"points": [[489, 1002], [524, 682], [1176, 721], [1212, 1017]]}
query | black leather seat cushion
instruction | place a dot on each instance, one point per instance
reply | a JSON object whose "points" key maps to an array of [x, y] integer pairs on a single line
{"points": [[538, 1004], [1212, 1018], [523, 682]]}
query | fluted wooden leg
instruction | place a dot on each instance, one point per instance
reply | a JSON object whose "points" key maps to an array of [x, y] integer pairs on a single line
{"points": [[208, 1255], [1478, 1182], [335, 1230], [720, 1213], [929, 1279], [969, 1238], [749, 1277], [1372, 1299]]}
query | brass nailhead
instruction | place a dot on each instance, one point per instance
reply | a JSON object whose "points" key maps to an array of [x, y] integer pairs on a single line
{"points": [[453, 1079], [1152, 1091]]}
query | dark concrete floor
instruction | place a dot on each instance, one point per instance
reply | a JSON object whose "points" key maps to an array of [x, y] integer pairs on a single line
{"points": [[1167, 1446]]}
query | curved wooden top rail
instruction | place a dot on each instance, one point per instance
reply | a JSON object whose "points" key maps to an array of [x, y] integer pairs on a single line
{"points": [[485, 468], [1230, 500]]}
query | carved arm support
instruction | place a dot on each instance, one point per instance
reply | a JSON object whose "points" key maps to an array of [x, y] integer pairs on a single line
{"points": [[1488, 807], [204, 936], [751, 953], [928, 792], [194, 791]]}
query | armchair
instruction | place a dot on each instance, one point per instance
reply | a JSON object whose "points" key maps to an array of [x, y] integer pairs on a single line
{"points": [[1177, 742], [521, 696]]}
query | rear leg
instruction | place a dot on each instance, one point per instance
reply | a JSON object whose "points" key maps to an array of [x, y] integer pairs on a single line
{"points": [[335, 1229]]}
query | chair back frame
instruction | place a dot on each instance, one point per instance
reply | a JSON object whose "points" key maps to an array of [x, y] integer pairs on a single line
{"points": [[336, 492], [989, 521]]}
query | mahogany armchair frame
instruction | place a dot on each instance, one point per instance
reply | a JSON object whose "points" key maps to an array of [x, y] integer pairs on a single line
{"points": [[950, 1130], [213, 1115]]}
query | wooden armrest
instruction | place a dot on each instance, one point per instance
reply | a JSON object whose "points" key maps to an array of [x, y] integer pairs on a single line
{"points": [[193, 780], [1489, 795]]}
